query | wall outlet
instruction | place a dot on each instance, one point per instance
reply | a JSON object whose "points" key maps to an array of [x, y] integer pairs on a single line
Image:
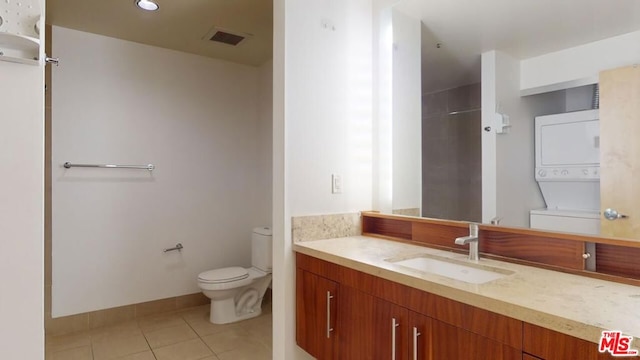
{"points": [[336, 184]]}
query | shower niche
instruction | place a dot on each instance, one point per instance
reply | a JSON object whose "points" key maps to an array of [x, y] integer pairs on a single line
{"points": [[20, 22]]}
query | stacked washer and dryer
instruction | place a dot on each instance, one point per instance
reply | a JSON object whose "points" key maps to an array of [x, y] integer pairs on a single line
{"points": [[567, 150]]}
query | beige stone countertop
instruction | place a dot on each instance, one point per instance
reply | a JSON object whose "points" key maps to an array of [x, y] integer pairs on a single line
{"points": [[571, 304]]}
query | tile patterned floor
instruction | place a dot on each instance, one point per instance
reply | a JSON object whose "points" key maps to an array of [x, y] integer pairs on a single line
{"points": [[181, 335]]}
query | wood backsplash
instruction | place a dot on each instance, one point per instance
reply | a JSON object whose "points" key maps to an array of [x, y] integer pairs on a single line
{"points": [[616, 259]]}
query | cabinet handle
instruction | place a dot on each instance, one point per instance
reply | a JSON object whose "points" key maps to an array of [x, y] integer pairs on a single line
{"points": [[329, 328], [415, 343], [394, 325]]}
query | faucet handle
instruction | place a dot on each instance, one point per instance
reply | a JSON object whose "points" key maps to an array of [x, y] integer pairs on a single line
{"points": [[473, 229]]}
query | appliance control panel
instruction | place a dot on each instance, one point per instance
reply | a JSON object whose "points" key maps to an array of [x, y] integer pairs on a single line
{"points": [[573, 173]]}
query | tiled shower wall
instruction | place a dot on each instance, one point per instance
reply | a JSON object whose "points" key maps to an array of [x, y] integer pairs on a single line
{"points": [[451, 154]]}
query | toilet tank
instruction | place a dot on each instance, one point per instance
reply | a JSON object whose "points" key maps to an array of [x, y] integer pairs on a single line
{"points": [[261, 248]]}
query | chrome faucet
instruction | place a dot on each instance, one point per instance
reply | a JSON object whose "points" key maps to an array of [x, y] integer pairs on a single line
{"points": [[472, 240]]}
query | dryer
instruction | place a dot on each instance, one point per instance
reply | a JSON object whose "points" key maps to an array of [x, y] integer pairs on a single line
{"points": [[567, 154]]}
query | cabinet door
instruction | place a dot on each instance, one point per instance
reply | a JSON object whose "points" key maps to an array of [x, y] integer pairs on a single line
{"points": [[355, 324], [419, 336], [316, 305], [391, 330], [485, 348], [450, 342], [550, 345], [529, 357]]}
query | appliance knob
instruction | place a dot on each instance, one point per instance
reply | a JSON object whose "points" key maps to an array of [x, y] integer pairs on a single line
{"points": [[585, 171], [612, 214], [555, 172], [542, 173], [565, 172]]}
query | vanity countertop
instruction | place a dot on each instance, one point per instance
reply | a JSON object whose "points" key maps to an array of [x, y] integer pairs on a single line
{"points": [[571, 304]]}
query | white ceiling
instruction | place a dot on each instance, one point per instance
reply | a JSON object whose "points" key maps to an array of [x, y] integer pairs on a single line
{"points": [[522, 28], [466, 28], [178, 24]]}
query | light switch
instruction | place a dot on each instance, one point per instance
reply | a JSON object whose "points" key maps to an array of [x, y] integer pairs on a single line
{"points": [[336, 184]]}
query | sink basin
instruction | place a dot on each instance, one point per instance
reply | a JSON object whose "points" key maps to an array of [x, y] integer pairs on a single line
{"points": [[458, 270]]}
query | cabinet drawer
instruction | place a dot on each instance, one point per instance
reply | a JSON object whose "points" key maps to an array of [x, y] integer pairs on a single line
{"points": [[494, 326], [450, 342], [552, 345], [541, 343], [485, 323], [317, 266]]}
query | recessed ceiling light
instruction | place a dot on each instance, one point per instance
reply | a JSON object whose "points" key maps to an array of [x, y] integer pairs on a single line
{"points": [[147, 5]]}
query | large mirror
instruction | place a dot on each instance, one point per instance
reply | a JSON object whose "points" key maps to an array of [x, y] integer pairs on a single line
{"points": [[512, 112]]}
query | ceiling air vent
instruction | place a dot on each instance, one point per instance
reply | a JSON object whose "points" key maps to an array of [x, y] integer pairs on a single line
{"points": [[227, 38], [224, 36]]}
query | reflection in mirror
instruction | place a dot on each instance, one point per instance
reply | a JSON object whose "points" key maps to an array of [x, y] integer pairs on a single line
{"points": [[451, 154], [484, 79]]}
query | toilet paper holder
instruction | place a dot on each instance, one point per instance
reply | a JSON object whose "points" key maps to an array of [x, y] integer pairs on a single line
{"points": [[177, 247]]}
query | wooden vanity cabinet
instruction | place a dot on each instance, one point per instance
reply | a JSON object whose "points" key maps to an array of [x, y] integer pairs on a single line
{"points": [[346, 314], [529, 357], [355, 324], [541, 343], [451, 342], [373, 328], [379, 319], [420, 338], [546, 344], [390, 330], [373, 318], [316, 314]]}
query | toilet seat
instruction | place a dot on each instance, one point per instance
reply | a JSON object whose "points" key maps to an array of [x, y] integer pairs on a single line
{"points": [[224, 279], [255, 273], [224, 275]]}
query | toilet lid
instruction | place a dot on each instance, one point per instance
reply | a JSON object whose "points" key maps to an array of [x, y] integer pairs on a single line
{"points": [[224, 275]]}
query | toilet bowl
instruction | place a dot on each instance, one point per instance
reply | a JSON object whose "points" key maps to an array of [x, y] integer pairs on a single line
{"points": [[236, 293]]}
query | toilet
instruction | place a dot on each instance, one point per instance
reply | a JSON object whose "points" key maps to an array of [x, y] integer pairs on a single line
{"points": [[236, 293]]}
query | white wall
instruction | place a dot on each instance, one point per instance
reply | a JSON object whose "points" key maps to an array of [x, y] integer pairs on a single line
{"points": [[329, 105], [322, 125], [406, 109], [489, 99], [197, 120], [516, 191], [382, 144], [263, 197], [578, 65], [580, 98], [22, 211], [283, 282]]}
